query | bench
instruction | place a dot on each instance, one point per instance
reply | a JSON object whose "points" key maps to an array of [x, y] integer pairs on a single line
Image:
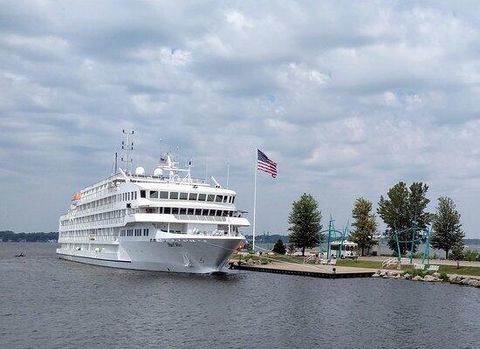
{"points": [[404, 261], [417, 266]]}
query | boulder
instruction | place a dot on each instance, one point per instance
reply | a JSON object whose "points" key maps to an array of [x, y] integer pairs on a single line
{"points": [[393, 273], [407, 276], [465, 281], [417, 278], [383, 273], [472, 282], [429, 278], [436, 275], [454, 279], [376, 275]]}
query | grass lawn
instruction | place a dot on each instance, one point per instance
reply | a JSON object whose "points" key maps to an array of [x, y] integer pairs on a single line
{"points": [[449, 269], [285, 258], [452, 269], [359, 264], [277, 257]]}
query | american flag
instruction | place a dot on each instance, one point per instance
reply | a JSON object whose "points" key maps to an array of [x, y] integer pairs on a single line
{"points": [[265, 164]]}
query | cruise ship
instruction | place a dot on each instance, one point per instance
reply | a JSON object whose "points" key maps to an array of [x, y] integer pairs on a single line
{"points": [[165, 221]]}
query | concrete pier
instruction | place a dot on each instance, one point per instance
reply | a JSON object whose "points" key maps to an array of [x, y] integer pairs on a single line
{"points": [[320, 271]]}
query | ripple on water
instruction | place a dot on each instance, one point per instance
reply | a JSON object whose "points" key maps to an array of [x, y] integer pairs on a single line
{"points": [[51, 303]]}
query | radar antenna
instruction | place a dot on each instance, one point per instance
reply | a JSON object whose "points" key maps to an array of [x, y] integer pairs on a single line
{"points": [[127, 147]]}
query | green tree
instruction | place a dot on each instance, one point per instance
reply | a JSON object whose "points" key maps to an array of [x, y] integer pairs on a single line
{"points": [[447, 229], [279, 247], [305, 223], [457, 254], [401, 209], [364, 225]]}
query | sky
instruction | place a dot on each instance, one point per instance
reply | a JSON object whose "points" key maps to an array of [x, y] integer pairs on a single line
{"points": [[347, 97]]}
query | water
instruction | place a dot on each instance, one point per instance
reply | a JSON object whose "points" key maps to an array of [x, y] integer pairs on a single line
{"points": [[51, 303]]}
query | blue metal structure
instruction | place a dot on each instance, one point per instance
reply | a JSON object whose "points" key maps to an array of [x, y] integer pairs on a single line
{"points": [[334, 235], [418, 235]]}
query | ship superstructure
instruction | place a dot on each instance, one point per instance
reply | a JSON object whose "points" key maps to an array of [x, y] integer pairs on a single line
{"points": [[166, 221]]}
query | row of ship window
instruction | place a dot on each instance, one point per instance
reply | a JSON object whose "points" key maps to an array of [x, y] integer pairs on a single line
{"points": [[131, 195], [97, 203], [134, 232], [173, 195], [95, 217], [192, 211], [154, 194], [89, 232]]}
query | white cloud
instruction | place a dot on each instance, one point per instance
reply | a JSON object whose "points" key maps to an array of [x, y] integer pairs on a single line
{"points": [[347, 98], [165, 55], [237, 19]]}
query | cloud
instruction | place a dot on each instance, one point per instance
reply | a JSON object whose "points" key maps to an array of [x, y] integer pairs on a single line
{"points": [[347, 98]]}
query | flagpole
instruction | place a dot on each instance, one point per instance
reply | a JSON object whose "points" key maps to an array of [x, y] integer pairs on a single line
{"points": [[254, 199]]}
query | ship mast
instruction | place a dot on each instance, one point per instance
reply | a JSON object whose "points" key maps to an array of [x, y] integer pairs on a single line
{"points": [[127, 147]]}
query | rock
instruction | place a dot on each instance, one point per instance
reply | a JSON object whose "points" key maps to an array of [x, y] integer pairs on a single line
{"points": [[436, 275], [472, 282], [454, 279], [429, 278], [417, 278], [465, 281], [376, 275], [383, 273], [407, 276]]}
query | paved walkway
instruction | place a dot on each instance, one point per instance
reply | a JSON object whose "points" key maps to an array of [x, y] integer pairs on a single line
{"points": [[313, 267]]}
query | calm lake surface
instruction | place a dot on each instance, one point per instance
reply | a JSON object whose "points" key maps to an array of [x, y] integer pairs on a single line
{"points": [[51, 303]]}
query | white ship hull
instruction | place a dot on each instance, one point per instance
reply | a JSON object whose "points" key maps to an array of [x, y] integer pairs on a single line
{"points": [[190, 255]]}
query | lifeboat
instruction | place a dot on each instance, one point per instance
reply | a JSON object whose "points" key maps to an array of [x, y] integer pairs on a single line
{"points": [[77, 196]]}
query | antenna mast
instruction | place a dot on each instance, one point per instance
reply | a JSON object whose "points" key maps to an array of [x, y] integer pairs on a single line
{"points": [[127, 147], [228, 172]]}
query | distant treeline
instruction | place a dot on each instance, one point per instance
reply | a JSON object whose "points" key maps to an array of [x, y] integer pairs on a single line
{"points": [[10, 236], [268, 238], [272, 238], [471, 241]]}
